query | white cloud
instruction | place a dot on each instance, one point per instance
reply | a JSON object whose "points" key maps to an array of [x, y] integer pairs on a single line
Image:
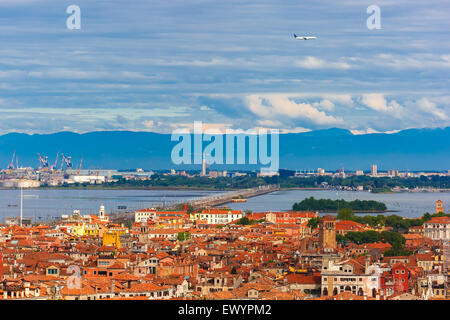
{"points": [[11, 73], [206, 127], [343, 99], [325, 104], [269, 123], [317, 63], [148, 123], [295, 130], [429, 107], [268, 106], [378, 102], [404, 61], [370, 130], [214, 62]]}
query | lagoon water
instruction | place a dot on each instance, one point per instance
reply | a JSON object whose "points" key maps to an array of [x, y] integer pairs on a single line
{"points": [[42, 205], [45, 204], [406, 204]]}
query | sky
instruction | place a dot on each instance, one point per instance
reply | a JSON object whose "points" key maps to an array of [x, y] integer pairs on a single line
{"points": [[161, 65]]}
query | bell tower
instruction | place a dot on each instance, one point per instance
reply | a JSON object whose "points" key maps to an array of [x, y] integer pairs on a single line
{"points": [[439, 206], [101, 212], [327, 233]]}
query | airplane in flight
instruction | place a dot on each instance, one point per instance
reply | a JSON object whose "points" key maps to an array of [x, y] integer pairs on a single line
{"points": [[303, 37]]}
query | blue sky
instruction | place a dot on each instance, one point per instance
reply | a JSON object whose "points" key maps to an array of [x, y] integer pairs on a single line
{"points": [[160, 65]]}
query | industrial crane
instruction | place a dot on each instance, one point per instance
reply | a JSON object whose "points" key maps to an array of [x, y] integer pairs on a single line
{"points": [[43, 161], [55, 163], [67, 160], [11, 164], [79, 167]]}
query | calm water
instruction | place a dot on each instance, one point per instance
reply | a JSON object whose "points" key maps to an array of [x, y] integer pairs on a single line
{"points": [[41, 205], [407, 204]]}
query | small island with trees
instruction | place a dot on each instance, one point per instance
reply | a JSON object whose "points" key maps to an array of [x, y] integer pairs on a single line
{"points": [[328, 205]]}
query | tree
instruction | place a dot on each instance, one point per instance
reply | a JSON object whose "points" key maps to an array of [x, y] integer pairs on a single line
{"points": [[233, 270], [180, 207], [426, 217], [340, 238], [393, 238], [183, 236], [129, 223], [345, 214], [244, 221], [397, 250], [334, 205], [313, 222]]}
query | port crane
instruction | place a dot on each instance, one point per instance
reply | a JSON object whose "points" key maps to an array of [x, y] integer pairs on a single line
{"points": [[43, 161], [55, 163], [11, 164], [67, 161], [79, 167]]}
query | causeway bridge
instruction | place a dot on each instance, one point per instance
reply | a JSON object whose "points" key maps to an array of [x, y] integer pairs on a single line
{"points": [[223, 198], [207, 201]]}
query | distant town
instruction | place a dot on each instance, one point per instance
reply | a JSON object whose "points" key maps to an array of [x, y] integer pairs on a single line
{"points": [[217, 253], [63, 173]]}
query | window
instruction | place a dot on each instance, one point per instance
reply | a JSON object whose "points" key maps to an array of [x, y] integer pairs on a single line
{"points": [[52, 271]]}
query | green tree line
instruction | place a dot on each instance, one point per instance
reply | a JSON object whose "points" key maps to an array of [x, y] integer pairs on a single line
{"points": [[397, 223], [395, 239], [251, 180], [334, 205]]}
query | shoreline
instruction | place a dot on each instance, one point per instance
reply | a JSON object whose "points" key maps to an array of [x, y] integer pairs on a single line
{"points": [[101, 187], [359, 211]]}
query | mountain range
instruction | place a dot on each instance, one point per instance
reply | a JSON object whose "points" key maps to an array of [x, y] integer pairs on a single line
{"points": [[330, 149]]}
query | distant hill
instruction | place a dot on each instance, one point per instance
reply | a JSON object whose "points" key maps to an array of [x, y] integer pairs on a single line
{"points": [[414, 149]]}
